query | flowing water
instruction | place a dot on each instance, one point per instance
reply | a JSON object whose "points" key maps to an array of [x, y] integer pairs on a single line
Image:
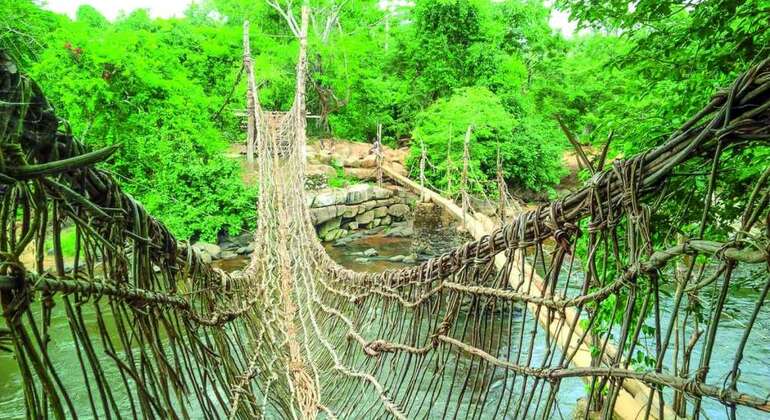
{"points": [[431, 241]]}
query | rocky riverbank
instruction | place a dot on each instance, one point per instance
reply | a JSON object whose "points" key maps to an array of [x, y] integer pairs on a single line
{"points": [[337, 213]]}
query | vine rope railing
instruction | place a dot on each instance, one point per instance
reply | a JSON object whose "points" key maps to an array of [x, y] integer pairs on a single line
{"points": [[495, 327]]}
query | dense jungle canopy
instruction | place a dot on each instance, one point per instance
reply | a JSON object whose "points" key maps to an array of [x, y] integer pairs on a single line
{"points": [[166, 89]]}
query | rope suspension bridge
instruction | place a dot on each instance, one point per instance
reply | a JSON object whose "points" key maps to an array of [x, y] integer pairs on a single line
{"points": [[498, 328]]}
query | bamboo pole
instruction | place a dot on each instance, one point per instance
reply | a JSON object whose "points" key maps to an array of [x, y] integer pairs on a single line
{"points": [[378, 154], [466, 159], [299, 99], [251, 96]]}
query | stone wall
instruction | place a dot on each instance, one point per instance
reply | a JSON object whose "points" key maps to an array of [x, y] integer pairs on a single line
{"points": [[336, 213]]}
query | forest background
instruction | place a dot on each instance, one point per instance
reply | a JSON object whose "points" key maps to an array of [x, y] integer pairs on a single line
{"points": [[166, 89]]}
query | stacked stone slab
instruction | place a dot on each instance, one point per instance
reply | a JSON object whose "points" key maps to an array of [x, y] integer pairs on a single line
{"points": [[335, 213]]}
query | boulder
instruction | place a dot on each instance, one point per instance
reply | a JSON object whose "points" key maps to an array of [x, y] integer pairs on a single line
{"points": [[348, 212], [369, 205], [248, 249], [344, 241], [375, 230], [387, 202], [359, 193], [324, 157], [374, 223], [319, 169], [352, 225], [400, 231], [397, 258], [244, 239], [228, 255], [380, 212], [205, 257], [369, 161], [398, 210], [364, 174], [380, 193], [322, 214], [410, 259], [335, 234], [352, 162], [386, 221], [399, 169], [329, 226], [211, 249], [371, 252], [324, 199], [365, 218]]}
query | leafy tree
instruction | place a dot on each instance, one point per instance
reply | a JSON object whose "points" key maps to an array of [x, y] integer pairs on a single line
{"points": [[528, 160], [134, 85]]}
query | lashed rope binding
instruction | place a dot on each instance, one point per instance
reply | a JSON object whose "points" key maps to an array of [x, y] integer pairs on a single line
{"points": [[477, 332]]}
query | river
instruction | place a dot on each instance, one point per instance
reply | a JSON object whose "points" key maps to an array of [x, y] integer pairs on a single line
{"points": [[430, 242]]}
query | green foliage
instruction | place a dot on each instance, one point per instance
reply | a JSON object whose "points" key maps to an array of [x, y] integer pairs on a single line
{"points": [[151, 86], [340, 180], [527, 159], [164, 88]]}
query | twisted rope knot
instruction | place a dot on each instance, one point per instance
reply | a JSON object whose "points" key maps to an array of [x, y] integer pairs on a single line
{"points": [[376, 347]]}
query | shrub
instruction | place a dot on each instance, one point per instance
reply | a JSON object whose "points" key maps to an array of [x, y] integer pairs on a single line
{"points": [[530, 160]]}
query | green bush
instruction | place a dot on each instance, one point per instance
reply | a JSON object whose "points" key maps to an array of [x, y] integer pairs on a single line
{"points": [[139, 83], [530, 160]]}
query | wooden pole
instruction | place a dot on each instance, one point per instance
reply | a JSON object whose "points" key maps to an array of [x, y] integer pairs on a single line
{"points": [[466, 159], [299, 99], [251, 96], [378, 154], [502, 190], [423, 157], [449, 164]]}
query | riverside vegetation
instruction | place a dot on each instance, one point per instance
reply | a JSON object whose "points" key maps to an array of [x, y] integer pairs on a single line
{"points": [[165, 89]]}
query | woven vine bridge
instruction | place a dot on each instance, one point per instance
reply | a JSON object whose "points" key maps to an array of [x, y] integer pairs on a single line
{"points": [[596, 296]]}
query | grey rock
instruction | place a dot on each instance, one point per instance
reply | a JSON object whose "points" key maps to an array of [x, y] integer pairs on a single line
{"points": [[228, 255], [211, 249], [371, 252], [381, 193], [248, 249], [205, 257], [386, 221], [359, 193], [344, 241], [365, 218], [329, 226], [410, 259], [387, 202], [352, 162], [362, 260], [398, 210], [369, 205], [380, 212], [322, 214], [331, 235], [324, 199], [228, 245], [369, 161], [397, 258], [324, 170], [375, 230], [244, 239], [348, 211], [352, 225], [400, 231]]}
